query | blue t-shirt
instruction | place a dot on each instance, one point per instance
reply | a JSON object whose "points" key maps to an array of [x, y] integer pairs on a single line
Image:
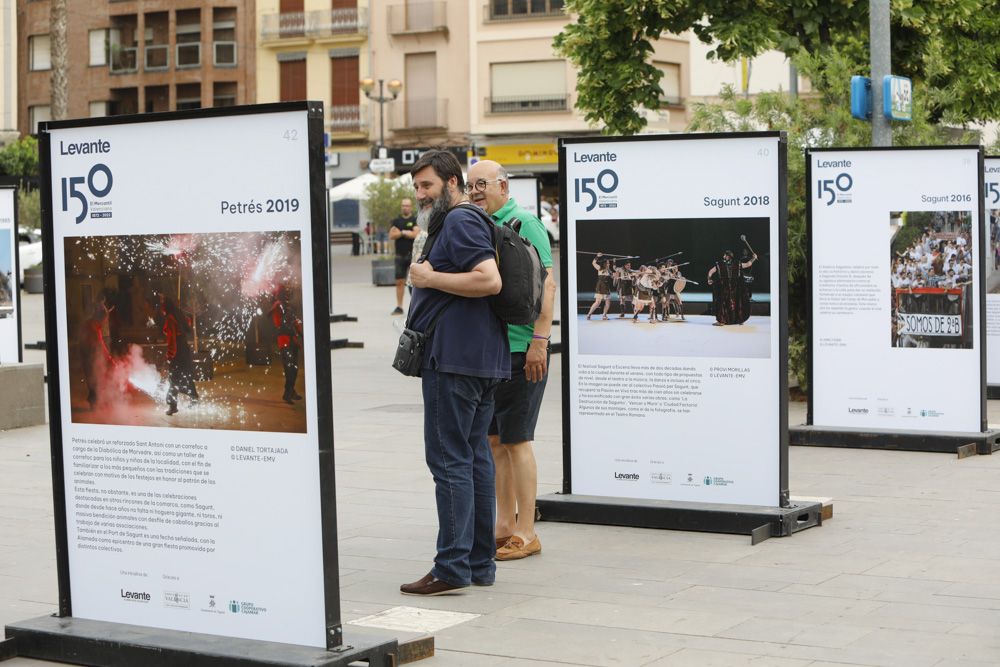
{"points": [[469, 339]]}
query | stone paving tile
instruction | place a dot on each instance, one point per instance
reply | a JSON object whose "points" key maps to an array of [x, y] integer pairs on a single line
{"points": [[974, 590], [773, 604], [463, 659], [560, 642], [632, 617], [796, 632], [700, 658]]}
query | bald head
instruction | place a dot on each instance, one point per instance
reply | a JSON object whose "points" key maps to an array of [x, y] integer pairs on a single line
{"points": [[488, 187]]}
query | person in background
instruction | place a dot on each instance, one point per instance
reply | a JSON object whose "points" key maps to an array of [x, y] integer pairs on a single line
{"points": [[403, 231]]}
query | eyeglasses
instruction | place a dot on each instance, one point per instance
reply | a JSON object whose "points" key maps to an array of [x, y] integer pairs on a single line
{"points": [[480, 185]]}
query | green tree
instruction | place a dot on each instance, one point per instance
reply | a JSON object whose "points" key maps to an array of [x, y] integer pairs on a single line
{"points": [[20, 158], [950, 48], [382, 199], [29, 208], [810, 122]]}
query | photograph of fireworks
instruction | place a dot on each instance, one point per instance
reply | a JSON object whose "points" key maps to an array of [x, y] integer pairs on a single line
{"points": [[8, 281], [674, 287], [931, 278], [191, 331]]}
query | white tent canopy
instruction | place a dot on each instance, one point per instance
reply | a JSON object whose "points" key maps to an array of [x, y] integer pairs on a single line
{"points": [[355, 188], [352, 189]]}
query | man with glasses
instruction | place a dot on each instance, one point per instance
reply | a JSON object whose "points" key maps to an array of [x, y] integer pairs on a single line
{"points": [[512, 429]]}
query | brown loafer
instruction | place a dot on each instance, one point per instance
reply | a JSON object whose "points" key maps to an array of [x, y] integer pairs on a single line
{"points": [[516, 548], [428, 586], [502, 541]]}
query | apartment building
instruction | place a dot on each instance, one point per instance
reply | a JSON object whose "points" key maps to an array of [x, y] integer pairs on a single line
{"points": [[482, 74], [193, 54], [522, 95], [317, 50]]}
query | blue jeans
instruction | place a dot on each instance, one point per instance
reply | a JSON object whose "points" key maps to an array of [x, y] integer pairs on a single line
{"points": [[457, 412]]}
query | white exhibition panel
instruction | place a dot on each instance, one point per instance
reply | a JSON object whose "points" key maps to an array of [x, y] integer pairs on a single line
{"points": [[524, 190], [886, 324], [239, 553], [676, 422], [10, 292], [991, 240]]}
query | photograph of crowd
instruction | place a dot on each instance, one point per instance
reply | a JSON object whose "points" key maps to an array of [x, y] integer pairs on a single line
{"points": [[192, 330], [931, 275], [8, 279], [710, 275], [993, 251]]}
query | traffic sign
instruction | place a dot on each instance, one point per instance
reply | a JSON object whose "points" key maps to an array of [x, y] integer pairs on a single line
{"points": [[382, 165], [897, 98]]}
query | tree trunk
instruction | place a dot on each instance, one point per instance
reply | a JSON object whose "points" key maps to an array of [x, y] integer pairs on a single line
{"points": [[60, 60]]}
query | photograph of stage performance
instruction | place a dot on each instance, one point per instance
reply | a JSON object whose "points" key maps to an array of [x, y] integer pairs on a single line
{"points": [[674, 287], [192, 330], [931, 278]]}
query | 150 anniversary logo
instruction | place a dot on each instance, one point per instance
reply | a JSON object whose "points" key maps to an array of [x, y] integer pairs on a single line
{"points": [[98, 182], [606, 182]]}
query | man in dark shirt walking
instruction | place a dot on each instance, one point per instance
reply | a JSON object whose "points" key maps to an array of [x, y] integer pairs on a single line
{"points": [[404, 229], [465, 359]]}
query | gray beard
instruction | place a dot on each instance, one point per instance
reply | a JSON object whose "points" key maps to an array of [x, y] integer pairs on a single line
{"points": [[423, 217]]}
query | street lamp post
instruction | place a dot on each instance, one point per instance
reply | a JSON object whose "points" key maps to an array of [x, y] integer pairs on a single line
{"points": [[367, 86]]}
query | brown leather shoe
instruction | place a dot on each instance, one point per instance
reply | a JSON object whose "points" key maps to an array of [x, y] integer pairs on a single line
{"points": [[516, 548], [502, 541], [428, 585]]}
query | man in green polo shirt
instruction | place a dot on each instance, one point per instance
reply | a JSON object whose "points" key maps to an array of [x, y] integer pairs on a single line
{"points": [[519, 400]]}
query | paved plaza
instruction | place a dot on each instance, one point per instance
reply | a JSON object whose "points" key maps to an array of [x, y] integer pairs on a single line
{"points": [[906, 573]]}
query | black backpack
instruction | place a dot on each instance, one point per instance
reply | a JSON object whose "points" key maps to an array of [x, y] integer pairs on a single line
{"points": [[520, 266], [521, 270]]}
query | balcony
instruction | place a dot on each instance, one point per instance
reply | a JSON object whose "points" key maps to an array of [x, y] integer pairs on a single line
{"points": [[414, 18], [503, 11], [123, 59], [277, 26], [156, 57], [527, 104], [334, 22], [346, 119], [418, 114]]}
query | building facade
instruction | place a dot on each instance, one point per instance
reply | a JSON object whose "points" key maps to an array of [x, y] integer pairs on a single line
{"points": [[484, 75], [194, 54], [8, 71], [318, 50]]}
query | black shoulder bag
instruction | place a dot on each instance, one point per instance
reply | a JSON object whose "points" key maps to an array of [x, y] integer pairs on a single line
{"points": [[409, 359]]}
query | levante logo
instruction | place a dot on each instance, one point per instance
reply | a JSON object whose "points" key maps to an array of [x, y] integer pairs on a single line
{"points": [[135, 596], [627, 476]]}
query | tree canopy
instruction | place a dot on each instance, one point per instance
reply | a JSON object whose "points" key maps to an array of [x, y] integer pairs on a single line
{"points": [[950, 48], [20, 158]]}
